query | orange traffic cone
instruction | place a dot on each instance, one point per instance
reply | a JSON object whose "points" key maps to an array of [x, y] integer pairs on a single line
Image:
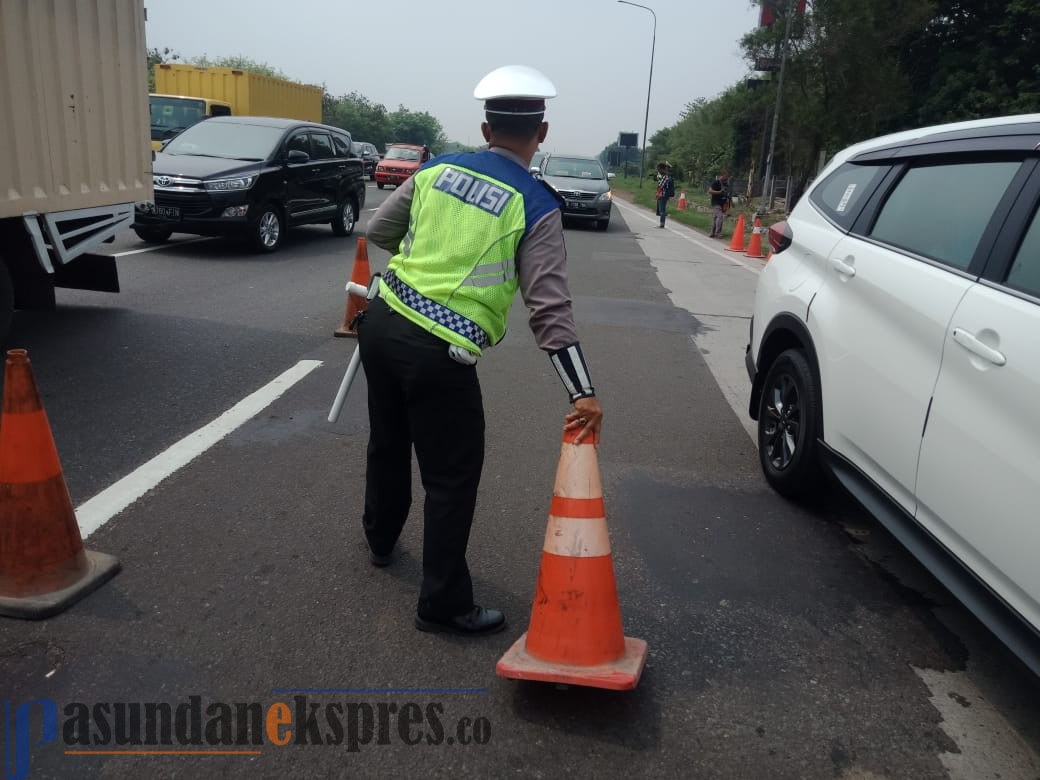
{"points": [[43, 566], [682, 200], [755, 246], [355, 303], [737, 244], [575, 634]]}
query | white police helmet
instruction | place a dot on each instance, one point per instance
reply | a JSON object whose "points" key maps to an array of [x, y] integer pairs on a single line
{"points": [[514, 89]]}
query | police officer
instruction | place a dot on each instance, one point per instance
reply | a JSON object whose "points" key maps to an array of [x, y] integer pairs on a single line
{"points": [[467, 232]]}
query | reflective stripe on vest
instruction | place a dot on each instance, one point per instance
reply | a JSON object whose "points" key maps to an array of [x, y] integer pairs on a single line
{"points": [[432, 310]]}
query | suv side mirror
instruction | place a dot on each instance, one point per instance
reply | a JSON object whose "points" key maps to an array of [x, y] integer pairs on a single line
{"points": [[295, 156], [611, 175]]}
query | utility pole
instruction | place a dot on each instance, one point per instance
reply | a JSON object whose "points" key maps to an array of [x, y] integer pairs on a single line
{"points": [[766, 184]]}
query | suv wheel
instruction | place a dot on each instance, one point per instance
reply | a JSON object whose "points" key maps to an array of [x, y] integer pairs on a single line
{"points": [[346, 219], [153, 235], [266, 228], [789, 424]]}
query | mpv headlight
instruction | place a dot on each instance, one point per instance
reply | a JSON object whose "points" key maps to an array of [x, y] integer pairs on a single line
{"points": [[236, 183], [608, 195]]}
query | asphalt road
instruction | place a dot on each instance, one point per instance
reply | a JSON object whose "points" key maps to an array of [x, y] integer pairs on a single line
{"points": [[785, 641]]}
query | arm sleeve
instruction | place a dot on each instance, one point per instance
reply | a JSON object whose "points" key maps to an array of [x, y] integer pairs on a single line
{"points": [[542, 267], [390, 222]]}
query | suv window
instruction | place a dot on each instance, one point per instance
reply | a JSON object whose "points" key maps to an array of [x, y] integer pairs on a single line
{"points": [[941, 211], [342, 146], [846, 190], [1025, 271], [299, 143], [321, 146]]}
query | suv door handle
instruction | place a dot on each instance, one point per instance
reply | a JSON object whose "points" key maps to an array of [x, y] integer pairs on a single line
{"points": [[972, 344], [842, 267]]}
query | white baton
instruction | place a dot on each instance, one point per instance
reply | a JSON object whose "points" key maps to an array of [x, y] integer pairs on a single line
{"points": [[353, 288]]}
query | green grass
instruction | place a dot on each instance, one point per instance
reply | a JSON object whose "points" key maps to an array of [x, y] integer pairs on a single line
{"points": [[698, 205]]}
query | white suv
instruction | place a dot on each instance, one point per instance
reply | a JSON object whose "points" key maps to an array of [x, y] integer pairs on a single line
{"points": [[896, 344]]}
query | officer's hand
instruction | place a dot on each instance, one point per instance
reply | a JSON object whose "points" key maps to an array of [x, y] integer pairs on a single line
{"points": [[587, 415]]}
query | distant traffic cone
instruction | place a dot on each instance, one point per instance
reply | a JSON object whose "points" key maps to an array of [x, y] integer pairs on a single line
{"points": [[737, 244], [43, 566], [360, 274], [755, 246], [575, 634], [682, 200]]}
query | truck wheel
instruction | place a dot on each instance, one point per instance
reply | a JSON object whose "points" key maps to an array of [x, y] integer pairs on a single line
{"points": [[6, 300], [346, 218], [153, 235], [266, 228], [379, 184]]}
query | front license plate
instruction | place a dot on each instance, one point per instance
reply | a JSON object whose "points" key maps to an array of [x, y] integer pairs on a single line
{"points": [[168, 212], [574, 204]]}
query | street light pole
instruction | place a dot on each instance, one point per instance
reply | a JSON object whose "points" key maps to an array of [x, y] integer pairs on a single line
{"points": [[646, 119]]}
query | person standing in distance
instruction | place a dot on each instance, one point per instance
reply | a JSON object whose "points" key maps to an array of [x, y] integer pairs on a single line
{"points": [[719, 192], [665, 189], [467, 232]]}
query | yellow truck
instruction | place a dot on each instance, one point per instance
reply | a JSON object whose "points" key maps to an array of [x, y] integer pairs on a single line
{"points": [[74, 154], [186, 94]]}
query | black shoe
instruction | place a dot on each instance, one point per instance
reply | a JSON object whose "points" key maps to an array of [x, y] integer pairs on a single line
{"points": [[477, 622], [379, 560]]}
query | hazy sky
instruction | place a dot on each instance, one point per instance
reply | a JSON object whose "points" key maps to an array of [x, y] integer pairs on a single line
{"points": [[428, 56]]}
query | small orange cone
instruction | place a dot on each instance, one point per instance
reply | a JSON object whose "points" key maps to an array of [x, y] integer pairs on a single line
{"points": [[737, 244], [43, 566], [682, 200], [575, 634], [355, 303], [755, 246]]}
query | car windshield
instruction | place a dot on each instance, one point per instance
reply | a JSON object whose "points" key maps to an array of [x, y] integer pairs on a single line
{"points": [[397, 153], [574, 168], [226, 139]]}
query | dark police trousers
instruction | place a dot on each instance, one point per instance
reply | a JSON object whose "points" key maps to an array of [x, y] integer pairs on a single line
{"points": [[419, 396]]}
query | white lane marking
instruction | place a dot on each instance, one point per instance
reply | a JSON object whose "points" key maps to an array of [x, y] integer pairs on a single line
{"points": [[689, 234], [97, 511], [162, 246]]}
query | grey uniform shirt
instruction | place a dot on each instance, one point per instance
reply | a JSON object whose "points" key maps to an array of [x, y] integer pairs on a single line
{"points": [[541, 262]]}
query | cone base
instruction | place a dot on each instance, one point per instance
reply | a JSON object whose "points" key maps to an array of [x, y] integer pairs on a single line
{"points": [[343, 332], [620, 675], [731, 249], [101, 567]]}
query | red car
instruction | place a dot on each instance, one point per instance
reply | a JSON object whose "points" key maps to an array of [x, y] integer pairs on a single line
{"points": [[400, 162]]}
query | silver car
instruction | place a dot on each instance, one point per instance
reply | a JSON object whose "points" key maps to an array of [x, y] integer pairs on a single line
{"points": [[583, 185]]}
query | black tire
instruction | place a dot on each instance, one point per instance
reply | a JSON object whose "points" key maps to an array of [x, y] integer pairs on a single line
{"points": [[266, 228], [346, 218], [153, 235], [6, 300], [789, 425], [379, 184], [603, 224]]}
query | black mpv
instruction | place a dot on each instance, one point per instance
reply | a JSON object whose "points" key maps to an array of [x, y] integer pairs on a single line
{"points": [[253, 177]]}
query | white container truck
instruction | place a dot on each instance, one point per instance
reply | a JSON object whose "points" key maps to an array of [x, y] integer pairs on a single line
{"points": [[75, 149]]}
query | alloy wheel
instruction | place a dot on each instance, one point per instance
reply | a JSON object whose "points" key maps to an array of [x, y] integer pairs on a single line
{"points": [[783, 421]]}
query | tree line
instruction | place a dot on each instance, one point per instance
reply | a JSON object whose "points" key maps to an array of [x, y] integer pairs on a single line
{"points": [[856, 69], [364, 119]]}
